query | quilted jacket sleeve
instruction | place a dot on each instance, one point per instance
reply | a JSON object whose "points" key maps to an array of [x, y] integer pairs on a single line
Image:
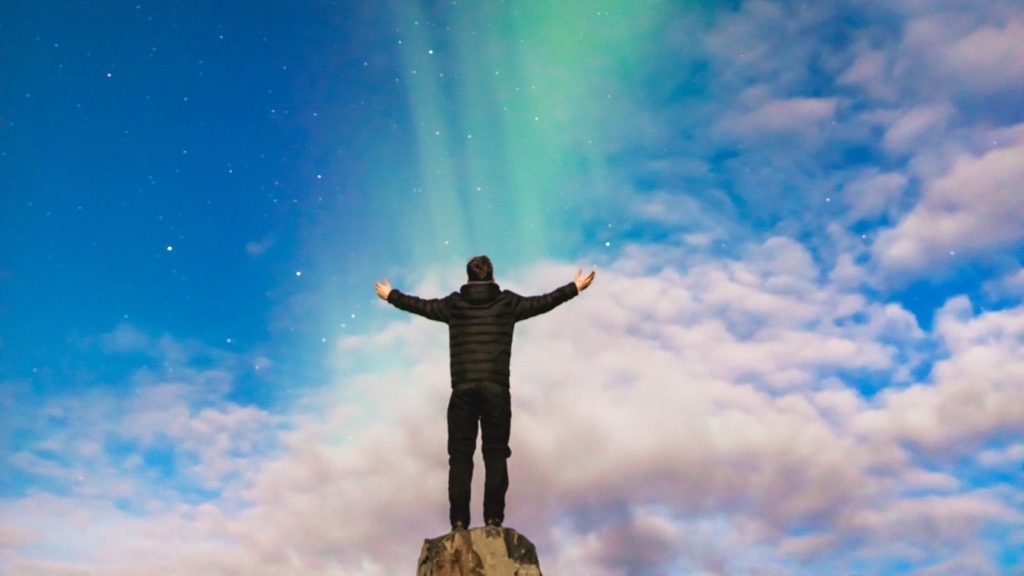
{"points": [[434, 308], [529, 306]]}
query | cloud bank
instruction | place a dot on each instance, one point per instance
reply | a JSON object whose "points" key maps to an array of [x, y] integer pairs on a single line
{"points": [[662, 422]]}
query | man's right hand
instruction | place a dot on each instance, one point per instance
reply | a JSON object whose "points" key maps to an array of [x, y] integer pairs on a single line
{"points": [[582, 281], [383, 289]]}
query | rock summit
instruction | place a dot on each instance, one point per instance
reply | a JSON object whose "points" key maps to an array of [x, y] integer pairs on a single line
{"points": [[487, 551]]}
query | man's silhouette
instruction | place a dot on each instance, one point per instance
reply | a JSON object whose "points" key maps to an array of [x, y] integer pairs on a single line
{"points": [[480, 319]]}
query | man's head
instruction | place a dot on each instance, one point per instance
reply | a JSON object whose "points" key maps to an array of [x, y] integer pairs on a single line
{"points": [[479, 269]]}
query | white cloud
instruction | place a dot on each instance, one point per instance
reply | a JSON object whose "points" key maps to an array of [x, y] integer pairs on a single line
{"points": [[1010, 457], [175, 429], [874, 194], [771, 43], [968, 52], [973, 211], [690, 412], [975, 393], [989, 58], [126, 338], [869, 70], [945, 519], [913, 126], [802, 117], [1009, 286], [258, 247], [668, 208]]}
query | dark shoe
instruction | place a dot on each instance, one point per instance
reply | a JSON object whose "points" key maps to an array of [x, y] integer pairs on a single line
{"points": [[458, 526], [494, 523]]}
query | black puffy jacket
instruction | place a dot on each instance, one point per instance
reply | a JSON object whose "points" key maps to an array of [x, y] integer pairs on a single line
{"points": [[480, 318]]}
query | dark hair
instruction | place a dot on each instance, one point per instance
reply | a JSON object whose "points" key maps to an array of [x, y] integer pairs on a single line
{"points": [[479, 269]]}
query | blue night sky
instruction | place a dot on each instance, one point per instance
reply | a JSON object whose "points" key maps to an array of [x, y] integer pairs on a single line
{"points": [[803, 353]]}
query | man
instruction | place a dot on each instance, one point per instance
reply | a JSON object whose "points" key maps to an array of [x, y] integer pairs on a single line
{"points": [[480, 320]]}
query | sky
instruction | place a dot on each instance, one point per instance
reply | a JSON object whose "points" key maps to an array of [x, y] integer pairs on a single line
{"points": [[803, 352]]}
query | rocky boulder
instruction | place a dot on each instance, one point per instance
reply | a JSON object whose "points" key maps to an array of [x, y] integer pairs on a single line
{"points": [[479, 552]]}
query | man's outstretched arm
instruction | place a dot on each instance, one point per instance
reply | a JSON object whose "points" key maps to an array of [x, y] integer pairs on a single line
{"points": [[434, 309], [534, 305]]}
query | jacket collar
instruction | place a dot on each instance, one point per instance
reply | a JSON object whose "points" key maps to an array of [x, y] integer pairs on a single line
{"points": [[480, 292]]}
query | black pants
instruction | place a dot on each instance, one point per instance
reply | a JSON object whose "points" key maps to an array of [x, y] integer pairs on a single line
{"points": [[489, 406]]}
